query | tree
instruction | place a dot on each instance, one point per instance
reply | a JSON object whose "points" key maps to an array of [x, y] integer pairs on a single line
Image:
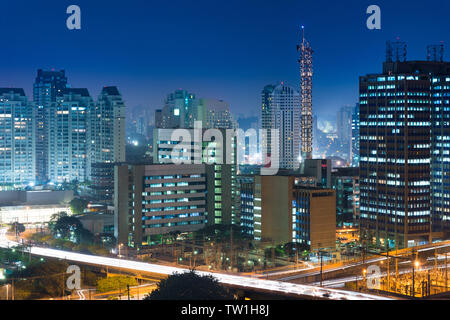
{"points": [[78, 205], [40, 279], [190, 286], [17, 228], [69, 228]]}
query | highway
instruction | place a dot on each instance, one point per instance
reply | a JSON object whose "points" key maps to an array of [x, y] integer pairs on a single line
{"points": [[294, 273], [227, 279]]}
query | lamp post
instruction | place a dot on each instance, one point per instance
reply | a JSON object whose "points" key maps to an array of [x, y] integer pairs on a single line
{"points": [[416, 264]]}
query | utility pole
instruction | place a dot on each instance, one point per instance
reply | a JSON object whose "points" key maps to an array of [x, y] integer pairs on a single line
{"points": [[231, 247], [446, 274], [435, 259], [321, 268], [388, 274], [62, 287], [396, 273], [128, 289]]}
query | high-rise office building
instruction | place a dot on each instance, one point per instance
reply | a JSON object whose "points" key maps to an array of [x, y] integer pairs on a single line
{"points": [[402, 130], [17, 139], [440, 150], [68, 136], [47, 86], [281, 111]]}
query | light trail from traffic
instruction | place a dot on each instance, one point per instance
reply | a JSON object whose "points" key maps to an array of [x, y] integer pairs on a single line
{"points": [[227, 279]]}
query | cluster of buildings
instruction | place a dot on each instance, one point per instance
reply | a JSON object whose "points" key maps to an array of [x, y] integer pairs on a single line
{"points": [[397, 140], [60, 134], [193, 183]]}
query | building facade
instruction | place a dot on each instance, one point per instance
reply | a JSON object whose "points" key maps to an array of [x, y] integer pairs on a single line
{"points": [[217, 153], [280, 209], [68, 136], [17, 139], [151, 200], [47, 86], [402, 134], [107, 128], [281, 111], [355, 137]]}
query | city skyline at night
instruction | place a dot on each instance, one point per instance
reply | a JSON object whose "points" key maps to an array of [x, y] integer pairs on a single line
{"points": [[224, 151]]}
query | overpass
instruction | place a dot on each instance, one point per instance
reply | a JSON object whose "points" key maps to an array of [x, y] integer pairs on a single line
{"points": [[278, 287]]}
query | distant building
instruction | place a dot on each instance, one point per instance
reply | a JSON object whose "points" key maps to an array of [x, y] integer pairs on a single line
{"points": [[355, 137], [17, 139], [217, 114], [320, 169], [344, 130], [179, 111], [107, 128]]}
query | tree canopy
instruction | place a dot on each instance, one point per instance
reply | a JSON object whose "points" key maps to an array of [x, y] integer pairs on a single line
{"points": [[78, 205], [17, 228], [69, 228], [190, 286]]}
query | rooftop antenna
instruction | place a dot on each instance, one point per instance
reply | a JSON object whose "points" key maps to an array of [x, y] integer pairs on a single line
{"points": [[435, 53], [396, 51]]}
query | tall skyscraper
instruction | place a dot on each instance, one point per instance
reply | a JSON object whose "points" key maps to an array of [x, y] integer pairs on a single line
{"points": [[47, 86], [440, 149], [68, 136], [403, 114], [306, 77], [107, 128], [17, 139], [281, 110]]}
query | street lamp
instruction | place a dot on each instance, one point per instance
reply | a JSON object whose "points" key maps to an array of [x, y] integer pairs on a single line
{"points": [[416, 264], [120, 246]]}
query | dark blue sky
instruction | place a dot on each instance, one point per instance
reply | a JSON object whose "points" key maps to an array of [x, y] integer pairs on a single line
{"points": [[214, 48]]}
